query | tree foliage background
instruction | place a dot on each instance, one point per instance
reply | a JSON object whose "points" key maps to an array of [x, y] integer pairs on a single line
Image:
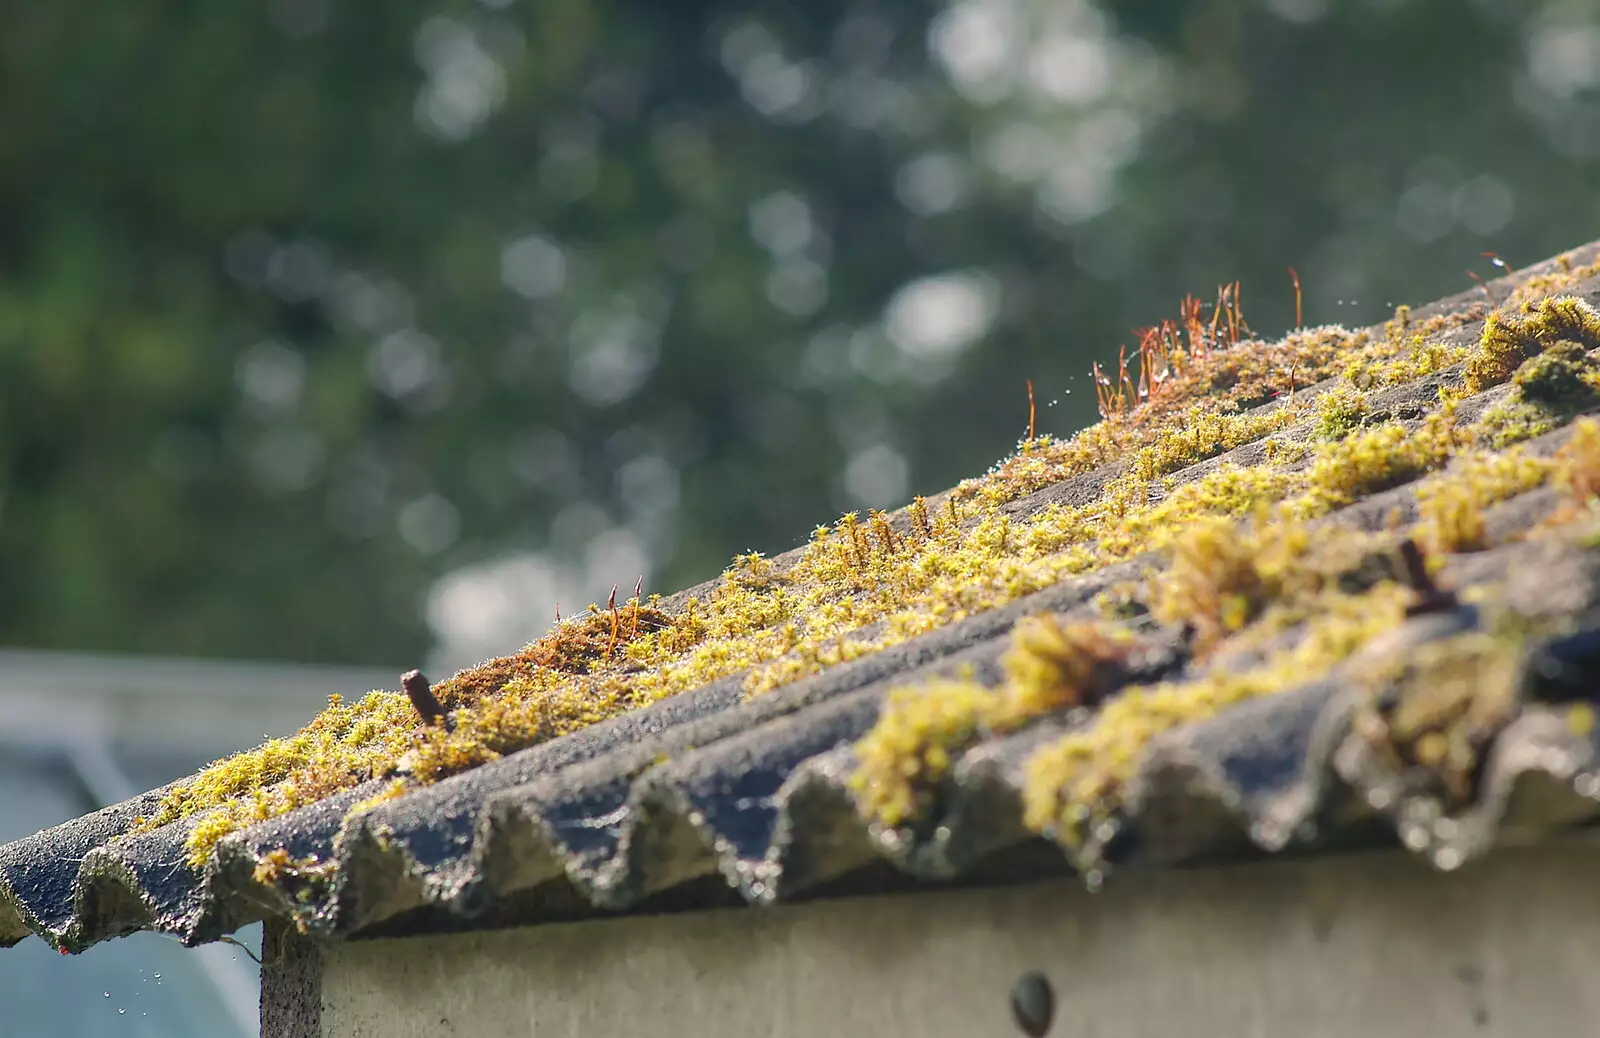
{"points": [[338, 331]]}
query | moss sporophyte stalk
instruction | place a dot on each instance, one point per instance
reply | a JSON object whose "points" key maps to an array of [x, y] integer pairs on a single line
{"points": [[866, 582]]}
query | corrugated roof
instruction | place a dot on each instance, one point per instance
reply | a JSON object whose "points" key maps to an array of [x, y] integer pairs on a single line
{"points": [[713, 796]]}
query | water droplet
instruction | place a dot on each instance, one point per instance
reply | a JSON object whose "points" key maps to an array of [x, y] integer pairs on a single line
{"points": [[121, 1012], [157, 976], [108, 994]]}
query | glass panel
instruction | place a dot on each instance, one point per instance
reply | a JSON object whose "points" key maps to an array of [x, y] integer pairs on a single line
{"points": [[143, 985]]}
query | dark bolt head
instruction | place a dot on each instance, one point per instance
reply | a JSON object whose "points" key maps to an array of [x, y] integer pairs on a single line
{"points": [[421, 696], [1033, 1004], [1430, 597]]}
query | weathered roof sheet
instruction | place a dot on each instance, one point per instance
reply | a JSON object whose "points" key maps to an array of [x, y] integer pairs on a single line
{"points": [[714, 797]]}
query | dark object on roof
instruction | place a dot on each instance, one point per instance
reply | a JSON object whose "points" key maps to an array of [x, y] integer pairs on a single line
{"points": [[711, 797], [417, 689]]}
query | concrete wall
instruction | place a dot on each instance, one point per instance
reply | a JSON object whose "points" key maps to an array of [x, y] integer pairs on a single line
{"points": [[1372, 945]]}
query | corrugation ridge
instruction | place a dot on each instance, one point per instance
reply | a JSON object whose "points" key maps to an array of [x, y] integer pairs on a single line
{"points": [[1539, 743], [1539, 773], [39, 873], [138, 881], [1539, 776], [726, 796], [578, 814]]}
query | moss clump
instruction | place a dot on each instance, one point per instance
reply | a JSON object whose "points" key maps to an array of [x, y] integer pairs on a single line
{"points": [[909, 751], [1423, 358], [861, 584], [1408, 351], [1578, 461], [382, 734], [1381, 457], [305, 880], [1340, 411], [1510, 339], [1053, 666], [1214, 381], [342, 742], [1548, 390], [1566, 275], [1452, 519], [1222, 576], [1075, 785], [1204, 436], [1562, 376], [1451, 504], [1504, 346], [1432, 713], [922, 729], [576, 647], [1129, 521]]}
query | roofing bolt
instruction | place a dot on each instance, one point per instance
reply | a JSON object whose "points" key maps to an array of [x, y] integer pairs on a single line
{"points": [[421, 696], [1033, 1004], [1431, 598]]}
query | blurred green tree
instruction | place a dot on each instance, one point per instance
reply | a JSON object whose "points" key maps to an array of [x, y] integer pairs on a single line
{"points": [[328, 332]]}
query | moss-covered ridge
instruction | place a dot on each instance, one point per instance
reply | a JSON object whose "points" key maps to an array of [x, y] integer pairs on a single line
{"points": [[1233, 589], [863, 583]]}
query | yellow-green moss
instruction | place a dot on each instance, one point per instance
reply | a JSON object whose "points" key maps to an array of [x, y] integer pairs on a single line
{"points": [[1510, 338], [1563, 375], [341, 743], [930, 567], [1224, 382], [1203, 436], [1578, 461], [348, 744], [1451, 503], [1548, 389], [1381, 457], [907, 754], [1434, 710], [1052, 665], [1566, 274], [1340, 412], [1422, 358], [1222, 576], [1076, 783], [1408, 350], [1514, 421]]}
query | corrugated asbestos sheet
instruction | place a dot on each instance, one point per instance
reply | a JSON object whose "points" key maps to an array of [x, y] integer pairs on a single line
{"points": [[712, 798]]}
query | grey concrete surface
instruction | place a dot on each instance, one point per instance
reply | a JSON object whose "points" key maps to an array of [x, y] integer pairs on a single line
{"points": [[1368, 945]]}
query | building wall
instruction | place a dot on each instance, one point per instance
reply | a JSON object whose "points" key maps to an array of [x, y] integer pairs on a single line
{"points": [[1368, 945]]}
